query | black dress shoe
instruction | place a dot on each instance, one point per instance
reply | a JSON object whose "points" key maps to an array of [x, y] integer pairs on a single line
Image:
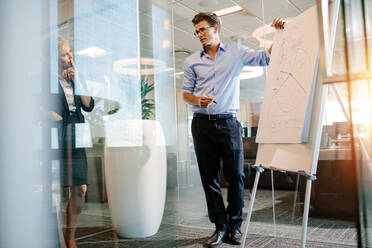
{"points": [[217, 238], [235, 236]]}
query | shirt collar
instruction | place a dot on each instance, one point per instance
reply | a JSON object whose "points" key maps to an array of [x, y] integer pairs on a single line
{"points": [[220, 48], [64, 81]]}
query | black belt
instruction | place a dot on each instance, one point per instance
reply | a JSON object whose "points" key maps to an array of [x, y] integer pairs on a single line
{"points": [[214, 117]]}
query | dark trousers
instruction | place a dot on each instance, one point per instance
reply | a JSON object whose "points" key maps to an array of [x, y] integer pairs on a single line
{"points": [[217, 140]]}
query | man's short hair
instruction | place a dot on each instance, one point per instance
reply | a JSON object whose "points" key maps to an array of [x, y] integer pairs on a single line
{"points": [[211, 18]]}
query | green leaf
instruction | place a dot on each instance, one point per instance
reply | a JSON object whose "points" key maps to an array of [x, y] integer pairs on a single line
{"points": [[147, 104], [112, 111]]}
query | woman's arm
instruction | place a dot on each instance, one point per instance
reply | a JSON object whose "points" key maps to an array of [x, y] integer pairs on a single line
{"points": [[87, 103], [85, 100]]}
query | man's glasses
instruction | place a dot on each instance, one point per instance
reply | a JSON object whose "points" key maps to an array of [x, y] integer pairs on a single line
{"points": [[201, 30]]}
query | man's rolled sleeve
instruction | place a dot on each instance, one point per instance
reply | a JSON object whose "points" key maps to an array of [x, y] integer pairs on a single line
{"points": [[252, 57], [188, 79]]}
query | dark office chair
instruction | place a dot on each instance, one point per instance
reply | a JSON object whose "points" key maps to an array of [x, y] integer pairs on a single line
{"points": [[250, 148]]}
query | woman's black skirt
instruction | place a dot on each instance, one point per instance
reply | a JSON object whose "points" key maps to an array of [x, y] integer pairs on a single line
{"points": [[74, 170]]}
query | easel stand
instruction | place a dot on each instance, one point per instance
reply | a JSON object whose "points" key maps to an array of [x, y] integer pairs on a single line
{"points": [[309, 179]]}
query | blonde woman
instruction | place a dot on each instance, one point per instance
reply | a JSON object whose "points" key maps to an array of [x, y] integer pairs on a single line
{"points": [[74, 163]]}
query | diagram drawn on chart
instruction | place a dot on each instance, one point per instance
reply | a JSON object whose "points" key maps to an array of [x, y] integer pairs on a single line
{"points": [[288, 88], [289, 81]]}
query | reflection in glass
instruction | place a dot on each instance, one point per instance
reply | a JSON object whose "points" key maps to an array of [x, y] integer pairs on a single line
{"points": [[106, 44]]}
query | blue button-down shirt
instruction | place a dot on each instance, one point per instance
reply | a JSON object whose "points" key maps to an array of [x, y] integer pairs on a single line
{"points": [[219, 77]]}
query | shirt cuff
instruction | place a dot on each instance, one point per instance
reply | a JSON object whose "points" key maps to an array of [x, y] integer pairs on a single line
{"points": [[267, 53]]}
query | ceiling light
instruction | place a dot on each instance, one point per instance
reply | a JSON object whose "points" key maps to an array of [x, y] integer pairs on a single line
{"points": [[260, 32], [251, 72], [264, 30], [165, 44], [93, 52], [125, 66], [228, 11], [178, 74], [166, 24]]}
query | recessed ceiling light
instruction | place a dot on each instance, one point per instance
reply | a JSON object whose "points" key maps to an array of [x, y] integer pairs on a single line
{"points": [[93, 52], [260, 32], [228, 11], [165, 44], [125, 66], [179, 74]]}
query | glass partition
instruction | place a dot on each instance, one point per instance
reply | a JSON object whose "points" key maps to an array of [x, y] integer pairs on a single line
{"points": [[97, 139], [357, 23], [122, 56]]}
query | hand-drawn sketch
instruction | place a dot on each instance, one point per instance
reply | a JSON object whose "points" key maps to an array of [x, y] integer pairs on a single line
{"points": [[289, 81]]}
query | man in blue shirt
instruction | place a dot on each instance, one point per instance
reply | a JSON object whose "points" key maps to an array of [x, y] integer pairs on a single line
{"points": [[211, 86]]}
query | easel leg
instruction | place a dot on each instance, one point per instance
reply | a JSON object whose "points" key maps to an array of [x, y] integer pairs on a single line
{"points": [[295, 198], [273, 199], [251, 202], [306, 212]]}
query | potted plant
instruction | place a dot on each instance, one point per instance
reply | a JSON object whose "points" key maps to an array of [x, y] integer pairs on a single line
{"points": [[147, 104], [136, 175]]}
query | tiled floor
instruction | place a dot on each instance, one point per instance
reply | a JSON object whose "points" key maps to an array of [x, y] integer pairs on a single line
{"points": [[185, 224]]}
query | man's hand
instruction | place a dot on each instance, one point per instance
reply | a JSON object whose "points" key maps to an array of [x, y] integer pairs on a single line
{"points": [[204, 101], [278, 23]]}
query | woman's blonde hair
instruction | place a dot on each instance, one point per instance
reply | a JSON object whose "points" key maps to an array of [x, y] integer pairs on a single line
{"points": [[61, 42]]}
